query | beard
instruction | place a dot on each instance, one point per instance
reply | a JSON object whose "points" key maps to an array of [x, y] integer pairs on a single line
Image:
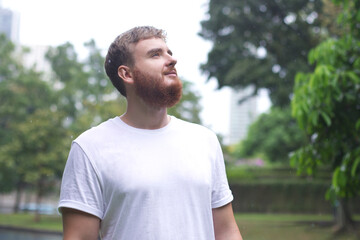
{"points": [[155, 91]]}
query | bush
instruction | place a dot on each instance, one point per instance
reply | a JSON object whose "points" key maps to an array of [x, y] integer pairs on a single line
{"points": [[280, 190]]}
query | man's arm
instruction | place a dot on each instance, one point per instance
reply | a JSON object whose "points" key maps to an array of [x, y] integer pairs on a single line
{"points": [[79, 225], [224, 223]]}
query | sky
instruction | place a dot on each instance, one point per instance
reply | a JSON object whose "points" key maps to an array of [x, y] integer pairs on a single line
{"points": [[54, 22]]}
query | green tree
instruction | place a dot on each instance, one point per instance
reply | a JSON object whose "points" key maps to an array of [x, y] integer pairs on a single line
{"points": [[326, 104], [273, 135], [19, 97], [101, 101], [261, 43], [84, 90], [23, 95], [37, 152], [9, 70], [69, 77], [99, 84]]}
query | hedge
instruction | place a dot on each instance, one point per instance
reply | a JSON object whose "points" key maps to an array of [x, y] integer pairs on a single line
{"points": [[284, 197]]}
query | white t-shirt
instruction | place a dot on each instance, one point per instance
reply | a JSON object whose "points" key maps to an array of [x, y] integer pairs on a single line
{"points": [[147, 184]]}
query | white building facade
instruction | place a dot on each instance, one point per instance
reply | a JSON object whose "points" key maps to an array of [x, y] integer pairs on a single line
{"points": [[9, 24], [242, 114]]}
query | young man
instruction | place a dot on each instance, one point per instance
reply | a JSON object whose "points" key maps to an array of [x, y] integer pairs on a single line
{"points": [[146, 175]]}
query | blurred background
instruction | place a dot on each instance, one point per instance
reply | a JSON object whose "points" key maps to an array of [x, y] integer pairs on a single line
{"points": [[278, 81]]}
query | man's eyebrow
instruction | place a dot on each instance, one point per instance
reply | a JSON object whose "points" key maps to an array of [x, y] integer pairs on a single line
{"points": [[153, 51], [157, 50]]}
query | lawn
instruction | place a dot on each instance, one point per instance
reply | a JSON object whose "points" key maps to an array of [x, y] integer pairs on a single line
{"points": [[288, 227], [252, 226], [47, 222]]}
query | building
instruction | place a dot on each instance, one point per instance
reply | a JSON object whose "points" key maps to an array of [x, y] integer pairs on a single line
{"points": [[242, 114], [9, 24]]}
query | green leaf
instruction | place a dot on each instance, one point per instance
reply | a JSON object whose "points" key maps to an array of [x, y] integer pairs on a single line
{"points": [[355, 166], [355, 78], [326, 118], [331, 195], [335, 178], [314, 118], [357, 62], [357, 126]]}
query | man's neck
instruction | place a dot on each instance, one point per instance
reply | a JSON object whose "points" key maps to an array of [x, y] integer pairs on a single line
{"points": [[145, 117]]}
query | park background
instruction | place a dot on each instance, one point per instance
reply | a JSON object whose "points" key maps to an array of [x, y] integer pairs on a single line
{"points": [[297, 171]]}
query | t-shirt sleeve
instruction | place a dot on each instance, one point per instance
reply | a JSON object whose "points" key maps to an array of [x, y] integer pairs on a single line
{"points": [[80, 186], [221, 193]]}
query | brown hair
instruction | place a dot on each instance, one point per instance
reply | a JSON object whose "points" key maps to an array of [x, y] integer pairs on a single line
{"points": [[119, 52]]}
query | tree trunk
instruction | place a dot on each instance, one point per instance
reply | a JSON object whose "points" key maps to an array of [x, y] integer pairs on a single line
{"points": [[19, 189], [343, 219], [39, 193]]}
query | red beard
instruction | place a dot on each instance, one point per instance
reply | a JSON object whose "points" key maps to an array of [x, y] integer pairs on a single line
{"points": [[155, 92]]}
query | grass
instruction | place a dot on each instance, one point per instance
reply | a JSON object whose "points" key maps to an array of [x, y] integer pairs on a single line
{"points": [[252, 226], [288, 226], [22, 220]]}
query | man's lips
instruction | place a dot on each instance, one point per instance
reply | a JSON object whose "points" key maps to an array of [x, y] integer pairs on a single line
{"points": [[171, 73]]}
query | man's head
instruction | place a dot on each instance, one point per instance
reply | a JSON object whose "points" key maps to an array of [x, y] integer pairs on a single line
{"points": [[119, 52]]}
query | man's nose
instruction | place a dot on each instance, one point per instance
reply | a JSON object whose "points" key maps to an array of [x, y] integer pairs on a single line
{"points": [[172, 61]]}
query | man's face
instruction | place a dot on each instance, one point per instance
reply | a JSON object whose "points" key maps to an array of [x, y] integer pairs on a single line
{"points": [[154, 73]]}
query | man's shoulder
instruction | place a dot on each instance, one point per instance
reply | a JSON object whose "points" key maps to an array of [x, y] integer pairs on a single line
{"points": [[194, 128]]}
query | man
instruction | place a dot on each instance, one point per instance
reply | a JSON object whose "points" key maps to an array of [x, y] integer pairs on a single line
{"points": [[146, 175]]}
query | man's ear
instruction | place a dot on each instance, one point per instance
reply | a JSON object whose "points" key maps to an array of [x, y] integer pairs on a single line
{"points": [[125, 74]]}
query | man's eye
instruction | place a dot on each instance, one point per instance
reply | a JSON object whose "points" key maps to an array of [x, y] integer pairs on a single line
{"points": [[156, 55]]}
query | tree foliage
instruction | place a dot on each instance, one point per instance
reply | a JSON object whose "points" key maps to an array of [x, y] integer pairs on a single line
{"points": [[84, 92], [262, 43], [31, 133], [326, 104], [273, 135]]}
